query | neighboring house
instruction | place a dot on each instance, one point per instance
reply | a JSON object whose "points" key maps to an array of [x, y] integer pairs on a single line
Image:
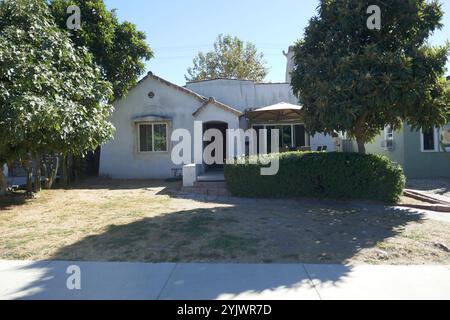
{"points": [[147, 116], [421, 153]]}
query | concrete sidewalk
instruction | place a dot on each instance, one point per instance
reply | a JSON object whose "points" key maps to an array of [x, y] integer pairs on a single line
{"points": [[48, 280]]}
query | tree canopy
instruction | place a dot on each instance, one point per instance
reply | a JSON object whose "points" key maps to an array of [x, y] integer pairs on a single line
{"points": [[52, 96], [231, 59], [118, 48], [353, 79]]}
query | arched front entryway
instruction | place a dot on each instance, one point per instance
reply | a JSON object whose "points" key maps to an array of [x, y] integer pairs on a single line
{"points": [[222, 128], [216, 115]]}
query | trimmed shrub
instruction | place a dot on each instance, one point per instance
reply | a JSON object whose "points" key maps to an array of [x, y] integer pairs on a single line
{"points": [[320, 175]]}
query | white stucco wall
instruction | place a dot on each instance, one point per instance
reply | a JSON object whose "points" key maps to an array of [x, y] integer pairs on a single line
{"points": [[323, 140], [213, 113], [242, 95], [120, 157], [290, 63]]}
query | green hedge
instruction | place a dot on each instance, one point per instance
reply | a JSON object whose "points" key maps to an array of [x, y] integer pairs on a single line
{"points": [[320, 175]]}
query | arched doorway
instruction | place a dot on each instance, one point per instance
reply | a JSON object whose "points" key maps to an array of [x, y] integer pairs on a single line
{"points": [[222, 127]]}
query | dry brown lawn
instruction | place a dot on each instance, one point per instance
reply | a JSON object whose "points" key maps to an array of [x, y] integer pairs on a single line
{"points": [[149, 221]]}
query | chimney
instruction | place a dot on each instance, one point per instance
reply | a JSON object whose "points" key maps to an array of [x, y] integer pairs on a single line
{"points": [[290, 63]]}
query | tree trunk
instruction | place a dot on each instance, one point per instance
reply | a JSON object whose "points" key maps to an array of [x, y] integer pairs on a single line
{"points": [[28, 164], [360, 133], [3, 183], [75, 167], [70, 176], [53, 173], [65, 171], [37, 174], [45, 173], [29, 179], [360, 141]]}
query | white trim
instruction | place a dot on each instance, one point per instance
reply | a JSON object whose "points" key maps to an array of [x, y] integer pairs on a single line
{"points": [[217, 104], [147, 123], [445, 146], [151, 119], [436, 141], [388, 137]]}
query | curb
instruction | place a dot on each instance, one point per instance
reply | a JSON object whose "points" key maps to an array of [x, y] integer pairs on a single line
{"points": [[431, 207]]}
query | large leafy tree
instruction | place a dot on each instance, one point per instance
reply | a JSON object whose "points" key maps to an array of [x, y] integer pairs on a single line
{"points": [[118, 47], [353, 79], [52, 96], [231, 59]]}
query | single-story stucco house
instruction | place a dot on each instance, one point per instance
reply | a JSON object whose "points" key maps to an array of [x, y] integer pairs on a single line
{"points": [[155, 107], [147, 116]]}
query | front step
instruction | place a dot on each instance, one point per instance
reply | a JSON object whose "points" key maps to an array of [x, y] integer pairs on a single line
{"points": [[208, 189]]}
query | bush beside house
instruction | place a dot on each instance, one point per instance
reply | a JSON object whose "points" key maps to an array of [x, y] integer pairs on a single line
{"points": [[320, 175]]}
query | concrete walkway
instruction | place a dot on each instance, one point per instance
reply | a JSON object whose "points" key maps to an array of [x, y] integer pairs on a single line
{"points": [[48, 280], [427, 214]]}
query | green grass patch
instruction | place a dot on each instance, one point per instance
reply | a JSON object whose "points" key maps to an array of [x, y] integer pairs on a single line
{"points": [[232, 243]]}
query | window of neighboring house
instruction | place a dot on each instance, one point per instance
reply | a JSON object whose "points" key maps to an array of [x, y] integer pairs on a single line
{"points": [[388, 138], [445, 137], [429, 140], [153, 137]]}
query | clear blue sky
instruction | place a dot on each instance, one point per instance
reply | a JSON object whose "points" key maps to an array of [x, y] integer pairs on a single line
{"points": [[177, 30]]}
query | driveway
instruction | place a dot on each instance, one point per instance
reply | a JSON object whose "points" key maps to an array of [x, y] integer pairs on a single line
{"points": [[48, 280]]}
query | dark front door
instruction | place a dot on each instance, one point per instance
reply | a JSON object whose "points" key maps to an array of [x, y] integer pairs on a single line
{"points": [[222, 127]]}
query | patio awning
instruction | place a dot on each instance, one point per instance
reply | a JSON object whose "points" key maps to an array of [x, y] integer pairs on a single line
{"points": [[278, 112]]}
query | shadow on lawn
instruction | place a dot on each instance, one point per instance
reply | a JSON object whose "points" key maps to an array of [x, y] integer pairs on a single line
{"points": [[10, 200], [235, 234], [241, 234]]}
